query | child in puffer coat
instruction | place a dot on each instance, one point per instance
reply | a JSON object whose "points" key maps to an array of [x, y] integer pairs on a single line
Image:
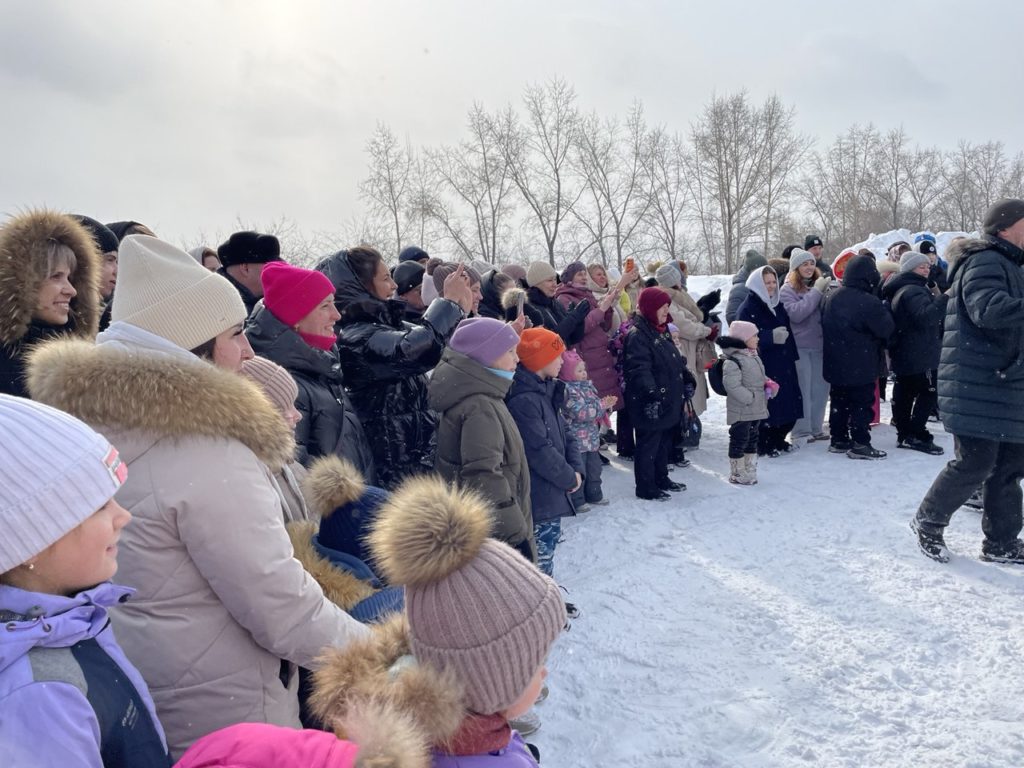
{"points": [[584, 411], [747, 391]]}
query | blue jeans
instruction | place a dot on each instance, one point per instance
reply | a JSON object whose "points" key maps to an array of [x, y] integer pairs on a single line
{"points": [[547, 535]]}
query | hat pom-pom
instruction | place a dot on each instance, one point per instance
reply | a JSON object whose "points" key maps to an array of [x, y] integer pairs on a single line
{"points": [[427, 531]]}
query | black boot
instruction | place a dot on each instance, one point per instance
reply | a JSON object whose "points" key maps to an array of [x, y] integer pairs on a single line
{"points": [[930, 541], [1011, 552], [865, 451]]}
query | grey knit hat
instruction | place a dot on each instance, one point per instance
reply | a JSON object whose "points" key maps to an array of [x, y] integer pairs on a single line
{"points": [[277, 384], [912, 260], [475, 606], [799, 256], [55, 472], [668, 276]]}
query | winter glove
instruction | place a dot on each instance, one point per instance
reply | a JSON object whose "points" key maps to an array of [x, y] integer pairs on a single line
{"points": [[822, 283], [771, 388], [582, 309], [715, 330], [709, 301], [652, 411], [780, 334]]}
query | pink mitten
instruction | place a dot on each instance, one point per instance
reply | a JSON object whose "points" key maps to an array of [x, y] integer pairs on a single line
{"points": [[771, 388]]}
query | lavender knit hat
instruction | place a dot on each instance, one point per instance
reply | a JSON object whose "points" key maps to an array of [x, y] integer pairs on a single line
{"points": [[475, 606], [483, 339], [54, 473]]}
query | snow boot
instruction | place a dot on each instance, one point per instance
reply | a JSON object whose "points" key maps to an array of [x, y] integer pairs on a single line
{"points": [[931, 542], [527, 723], [865, 451], [674, 487], [919, 444], [1013, 552], [750, 467], [838, 445], [738, 473]]}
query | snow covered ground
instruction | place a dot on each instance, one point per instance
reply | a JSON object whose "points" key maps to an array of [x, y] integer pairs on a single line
{"points": [[793, 623]]}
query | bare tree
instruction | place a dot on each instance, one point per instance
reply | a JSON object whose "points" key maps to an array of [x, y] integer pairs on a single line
{"points": [[785, 151], [476, 174], [612, 160], [890, 174], [388, 187], [665, 160], [537, 154], [923, 186], [837, 186]]}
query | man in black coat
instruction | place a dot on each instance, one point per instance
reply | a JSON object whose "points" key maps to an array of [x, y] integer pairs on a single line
{"points": [[981, 388], [918, 311], [856, 326]]}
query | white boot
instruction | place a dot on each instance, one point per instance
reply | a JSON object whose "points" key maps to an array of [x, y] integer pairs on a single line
{"points": [[738, 473], [750, 467]]}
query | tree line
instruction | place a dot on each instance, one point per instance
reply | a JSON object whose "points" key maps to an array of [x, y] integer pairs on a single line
{"points": [[544, 179]]}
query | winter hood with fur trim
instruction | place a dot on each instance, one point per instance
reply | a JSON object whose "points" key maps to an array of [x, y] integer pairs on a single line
{"points": [[23, 242], [221, 601]]}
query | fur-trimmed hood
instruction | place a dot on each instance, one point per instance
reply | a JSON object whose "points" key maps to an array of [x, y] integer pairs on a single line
{"points": [[106, 385], [510, 297], [381, 670], [23, 240], [959, 249]]}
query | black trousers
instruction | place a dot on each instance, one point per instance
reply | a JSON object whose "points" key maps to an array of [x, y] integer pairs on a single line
{"points": [[772, 437], [650, 462], [743, 438], [914, 397], [850, 412], [590, 490], [624, 442], [1000, 466]]}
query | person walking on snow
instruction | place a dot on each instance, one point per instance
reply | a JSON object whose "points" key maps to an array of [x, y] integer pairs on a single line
{"points": [[981, 389]]}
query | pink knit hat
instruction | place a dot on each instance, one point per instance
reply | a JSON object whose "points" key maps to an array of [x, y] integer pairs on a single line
{"points": [[475, 606], [291, 293], [742, 330], [570, 360]]}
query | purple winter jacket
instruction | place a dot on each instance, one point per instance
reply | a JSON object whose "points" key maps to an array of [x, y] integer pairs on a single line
{"points": [[804, 310], [68, 694], [594, 346], [515, 755]]}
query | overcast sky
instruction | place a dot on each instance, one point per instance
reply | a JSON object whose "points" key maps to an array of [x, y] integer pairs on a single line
{"points": [[186, 115]]}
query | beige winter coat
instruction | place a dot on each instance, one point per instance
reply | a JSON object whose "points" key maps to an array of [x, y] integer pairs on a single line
{"points": [[220, 601], [686, 316], [743, 377]]}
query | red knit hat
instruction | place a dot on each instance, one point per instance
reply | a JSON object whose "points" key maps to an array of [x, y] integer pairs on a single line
{"points": [[538, 347], [291, 293], [650, 301]]}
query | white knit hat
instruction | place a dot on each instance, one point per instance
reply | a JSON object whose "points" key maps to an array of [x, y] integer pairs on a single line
{"points": [[163, 290], [54, 473], [538, 272]]}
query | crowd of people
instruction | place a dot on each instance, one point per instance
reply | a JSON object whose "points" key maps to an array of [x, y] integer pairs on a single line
{"points": [[331, 498]]}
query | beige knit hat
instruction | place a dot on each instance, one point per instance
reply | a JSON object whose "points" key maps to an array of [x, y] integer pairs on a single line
{"points": [[538, 272], [276, 383], [474, 605], [163, 290]]}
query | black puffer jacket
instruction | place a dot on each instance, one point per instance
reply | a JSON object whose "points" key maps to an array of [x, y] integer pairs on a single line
{"points": [[490, 304], [918, 314], [856, 326], [329, 423], [655, 376], [385, 360], [567, 323], [981, 372]]}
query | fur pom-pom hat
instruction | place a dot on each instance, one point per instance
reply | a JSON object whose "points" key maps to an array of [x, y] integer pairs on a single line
{"points": [[347, 506], [474, 605]]}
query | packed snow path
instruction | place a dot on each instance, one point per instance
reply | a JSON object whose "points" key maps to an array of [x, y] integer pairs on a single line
{"points": [[793, 623]]}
